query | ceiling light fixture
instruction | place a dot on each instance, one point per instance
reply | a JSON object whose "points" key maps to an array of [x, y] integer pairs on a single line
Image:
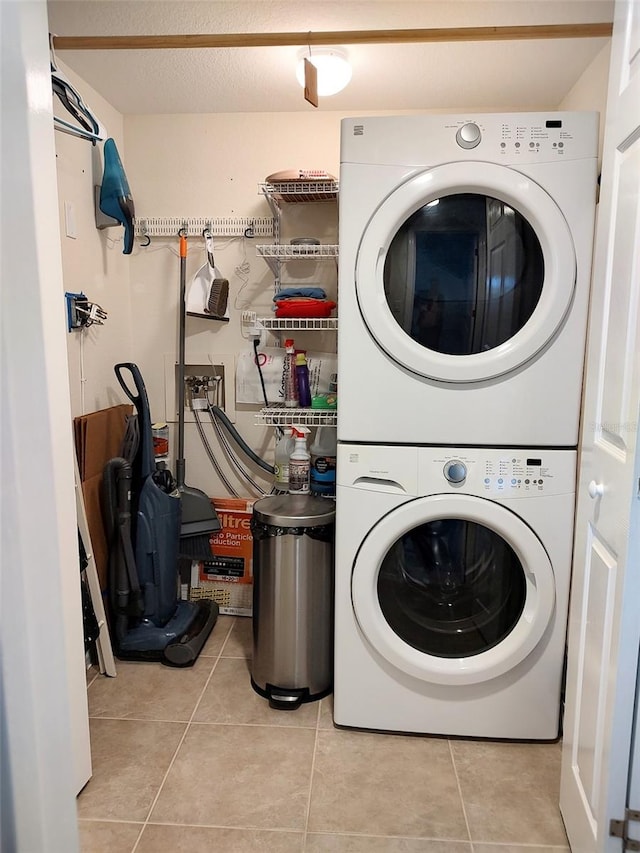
{"points": [[334, 70]]}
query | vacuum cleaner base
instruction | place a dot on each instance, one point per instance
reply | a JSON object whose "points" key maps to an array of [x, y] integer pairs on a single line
{"points": [[178, 643]]}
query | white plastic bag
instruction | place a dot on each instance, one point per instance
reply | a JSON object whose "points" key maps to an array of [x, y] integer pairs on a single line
{"points": [[249, 390]]}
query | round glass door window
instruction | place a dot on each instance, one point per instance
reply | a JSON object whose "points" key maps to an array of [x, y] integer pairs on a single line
{"points": [[451, 588], [464, 274]]}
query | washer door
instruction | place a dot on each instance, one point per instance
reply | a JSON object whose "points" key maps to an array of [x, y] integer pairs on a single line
{"points": [[465, 272], [453, 589]]}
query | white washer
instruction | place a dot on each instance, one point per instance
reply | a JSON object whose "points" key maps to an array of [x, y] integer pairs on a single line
{"points": [[452, 585], [465, 257]]}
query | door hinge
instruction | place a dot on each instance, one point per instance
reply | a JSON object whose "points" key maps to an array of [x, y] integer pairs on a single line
{"points": [[620, 829]]}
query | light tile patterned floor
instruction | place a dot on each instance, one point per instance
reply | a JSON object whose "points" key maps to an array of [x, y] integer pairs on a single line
{"points": [[193, 760]]}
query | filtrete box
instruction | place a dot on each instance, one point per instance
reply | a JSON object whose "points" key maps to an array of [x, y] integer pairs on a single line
{"points": [[227, 577]]}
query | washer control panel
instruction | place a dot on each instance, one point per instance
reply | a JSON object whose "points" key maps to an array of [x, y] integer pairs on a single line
{"points": [[497, 473]]}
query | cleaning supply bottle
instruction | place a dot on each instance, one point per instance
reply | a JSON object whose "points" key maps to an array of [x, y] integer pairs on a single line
{"points": [[284, 449], [289, 376], [323, 462], [302, 371], [299, 462]]}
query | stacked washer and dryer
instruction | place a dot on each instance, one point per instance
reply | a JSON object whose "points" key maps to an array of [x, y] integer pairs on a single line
{"points": [[465, 256]]}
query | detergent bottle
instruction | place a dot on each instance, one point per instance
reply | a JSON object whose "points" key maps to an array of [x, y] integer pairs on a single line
{"points": [[302, 373], [290, 376], [284, 449], [299, 462], [323, 462]]}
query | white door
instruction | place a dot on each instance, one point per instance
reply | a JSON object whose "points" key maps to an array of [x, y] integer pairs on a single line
{"points": [[604, 623]]}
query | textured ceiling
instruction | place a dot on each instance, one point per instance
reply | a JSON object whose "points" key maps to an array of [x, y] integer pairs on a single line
{"points": [[489, 75]]}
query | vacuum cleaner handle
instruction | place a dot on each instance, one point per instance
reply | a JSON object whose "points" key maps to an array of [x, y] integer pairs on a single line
{"points": [[141, 403]]}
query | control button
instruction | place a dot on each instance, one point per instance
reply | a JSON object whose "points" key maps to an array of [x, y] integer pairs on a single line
{"points": [[560, 144], [517, 145], [455, 471], [468, 136], [500, 480], [513, 482], [487, 480], [527, 482], [532, 145]]}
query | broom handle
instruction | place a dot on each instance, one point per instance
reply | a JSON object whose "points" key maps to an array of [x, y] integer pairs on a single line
{"points": [[180, 464]]}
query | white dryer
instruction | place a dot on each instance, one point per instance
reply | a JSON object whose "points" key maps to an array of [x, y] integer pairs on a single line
{"points": [[452, 585], [465, 258]]}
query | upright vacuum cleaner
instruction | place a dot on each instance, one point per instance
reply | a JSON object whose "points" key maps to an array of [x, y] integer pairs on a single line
{"points": [[142, 512]]}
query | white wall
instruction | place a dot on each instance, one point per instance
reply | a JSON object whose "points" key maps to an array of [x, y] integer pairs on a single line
{"points": [[93, 262], [590, 91]]}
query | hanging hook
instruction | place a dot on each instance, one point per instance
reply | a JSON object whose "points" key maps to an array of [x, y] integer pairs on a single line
{"points": [[148, 239], [250, 232], [183, 231]]}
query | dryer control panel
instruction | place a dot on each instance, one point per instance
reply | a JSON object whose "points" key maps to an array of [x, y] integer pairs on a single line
{"points": [[508, 138]]}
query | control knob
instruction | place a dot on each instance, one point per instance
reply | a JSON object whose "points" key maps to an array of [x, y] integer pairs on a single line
{"points": [[468, 136], [455, 471]]}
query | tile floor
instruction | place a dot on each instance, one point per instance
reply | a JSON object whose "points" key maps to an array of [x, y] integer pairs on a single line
{"points": [[191, 760]]}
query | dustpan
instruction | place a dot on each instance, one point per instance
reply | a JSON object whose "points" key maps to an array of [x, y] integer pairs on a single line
{"points": [[207, 294]]}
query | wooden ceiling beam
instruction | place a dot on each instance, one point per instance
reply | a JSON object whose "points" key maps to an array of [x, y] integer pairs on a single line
{"points": [[344, 37]]}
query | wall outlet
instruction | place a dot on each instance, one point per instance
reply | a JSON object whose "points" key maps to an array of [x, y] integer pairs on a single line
{"points": [[70, 220]]}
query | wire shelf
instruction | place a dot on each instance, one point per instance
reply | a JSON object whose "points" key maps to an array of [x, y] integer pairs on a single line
{"points": [[299, 324], [290, 324], [222, 226], [285, 251], [282, 416], [300, 192]]}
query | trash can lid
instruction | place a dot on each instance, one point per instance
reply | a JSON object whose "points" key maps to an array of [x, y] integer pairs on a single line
{"points": [[295, 510]]}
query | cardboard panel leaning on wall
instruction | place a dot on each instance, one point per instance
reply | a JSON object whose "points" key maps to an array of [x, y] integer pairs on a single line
{"points": [[92, 260]]}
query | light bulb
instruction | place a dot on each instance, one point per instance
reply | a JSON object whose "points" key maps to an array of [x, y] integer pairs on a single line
{"points": [[334, 70]]}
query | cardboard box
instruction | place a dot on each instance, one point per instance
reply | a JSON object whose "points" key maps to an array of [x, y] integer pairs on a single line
{"points": [[227, 578]]}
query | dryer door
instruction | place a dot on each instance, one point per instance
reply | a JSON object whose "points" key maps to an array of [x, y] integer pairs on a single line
{"points": [[453, 589], [465, 272]]}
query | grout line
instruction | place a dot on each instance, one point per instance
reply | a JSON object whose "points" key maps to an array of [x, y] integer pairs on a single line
{"points": [[95, 675], [356, 834], [182, 739], [313, 765], [464, 811]]}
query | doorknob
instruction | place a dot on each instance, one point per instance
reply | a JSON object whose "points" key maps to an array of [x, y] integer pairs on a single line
{"points": [[596, 490]]}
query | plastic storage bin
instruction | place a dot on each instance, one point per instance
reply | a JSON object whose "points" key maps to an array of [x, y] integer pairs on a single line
{"points": [[293, 569]]}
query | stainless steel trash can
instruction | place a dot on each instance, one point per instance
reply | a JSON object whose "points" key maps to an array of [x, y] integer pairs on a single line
{"points": [[293, 566]]}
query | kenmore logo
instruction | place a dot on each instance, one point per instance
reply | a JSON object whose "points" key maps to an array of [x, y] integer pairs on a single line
{"points": [[358, 130]]}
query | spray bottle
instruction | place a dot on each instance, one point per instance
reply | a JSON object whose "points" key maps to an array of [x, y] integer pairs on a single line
{"points": [[284, 449], [299, 462]]}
